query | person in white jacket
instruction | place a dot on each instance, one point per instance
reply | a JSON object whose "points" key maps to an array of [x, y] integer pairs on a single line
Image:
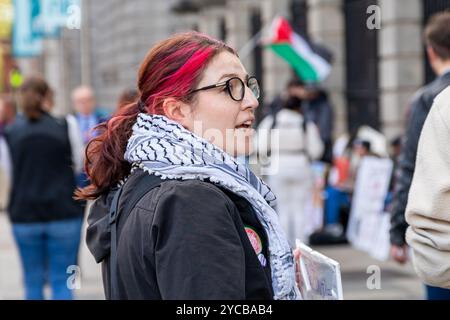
{"points": [[292, 145], [7, 115], [5, 173], [428, 208]]}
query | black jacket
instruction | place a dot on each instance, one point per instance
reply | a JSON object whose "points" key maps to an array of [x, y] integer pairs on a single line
{"points": [[419, 109], [183, 240], [43, 179]]}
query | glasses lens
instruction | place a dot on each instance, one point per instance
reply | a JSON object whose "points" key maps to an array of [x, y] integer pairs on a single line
{"points": [[237, 90], [254, 86]]}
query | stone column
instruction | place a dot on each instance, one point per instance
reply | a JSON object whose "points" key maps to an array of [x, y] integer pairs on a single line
{"points": [[401, 60], [122, 32], [237, 20], [209, 21], [326, 26], [54, 73], [184, 22], [86, 76]]}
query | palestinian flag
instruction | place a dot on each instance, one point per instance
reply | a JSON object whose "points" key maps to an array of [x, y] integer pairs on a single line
{"points": [[309, 65]]}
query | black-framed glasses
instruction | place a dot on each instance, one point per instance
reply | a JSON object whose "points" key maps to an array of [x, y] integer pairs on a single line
{"points": [[236, 87]]}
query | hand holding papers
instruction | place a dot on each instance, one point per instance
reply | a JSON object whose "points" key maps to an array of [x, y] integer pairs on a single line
{"points": [[320, 275]]}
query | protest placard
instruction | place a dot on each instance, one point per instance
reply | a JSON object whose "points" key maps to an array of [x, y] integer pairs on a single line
{"points": [[368, 224], [320, 275]]}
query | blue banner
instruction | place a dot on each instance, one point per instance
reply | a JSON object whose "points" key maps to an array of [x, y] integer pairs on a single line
{"points": [[36, 19], [26, 41], [57, 14]]}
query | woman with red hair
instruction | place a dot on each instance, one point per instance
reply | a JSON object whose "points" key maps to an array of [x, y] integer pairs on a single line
{"points": [[176, 216]]}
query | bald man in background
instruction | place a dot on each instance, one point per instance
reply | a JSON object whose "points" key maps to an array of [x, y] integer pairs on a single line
{"points": [[88, 116]]}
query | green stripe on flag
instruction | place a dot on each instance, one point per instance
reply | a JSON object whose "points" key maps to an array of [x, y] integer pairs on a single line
{"points": [[304, 70]]}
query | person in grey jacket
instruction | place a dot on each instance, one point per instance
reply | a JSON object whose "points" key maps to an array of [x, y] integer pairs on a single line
{"points": [[437, 35]]}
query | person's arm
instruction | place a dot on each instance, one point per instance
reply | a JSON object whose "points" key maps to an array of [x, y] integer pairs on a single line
{"points": [[428, 210], [325, 121], [198, 252], [76, 143], [314, 145], [5, 160], [405, 171]]}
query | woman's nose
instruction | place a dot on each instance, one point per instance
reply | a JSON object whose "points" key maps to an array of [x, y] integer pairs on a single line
{"points": [[249, 100]]}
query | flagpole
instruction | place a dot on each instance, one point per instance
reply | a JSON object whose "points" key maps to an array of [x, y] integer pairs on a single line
{"points": [[250, 45], [253, 42]]}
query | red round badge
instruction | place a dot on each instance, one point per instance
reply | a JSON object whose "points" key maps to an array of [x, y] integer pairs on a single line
{"points": [[255, 240]]}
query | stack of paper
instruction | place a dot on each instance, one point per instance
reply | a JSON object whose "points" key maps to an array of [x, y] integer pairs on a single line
{"points": [[320, 275]]}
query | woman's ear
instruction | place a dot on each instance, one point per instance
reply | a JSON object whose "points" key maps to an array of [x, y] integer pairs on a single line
{"points": [[177, 111]]}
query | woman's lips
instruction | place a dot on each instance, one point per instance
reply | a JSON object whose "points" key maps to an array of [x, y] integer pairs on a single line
{"points": [[245, 130], [246, 124]]}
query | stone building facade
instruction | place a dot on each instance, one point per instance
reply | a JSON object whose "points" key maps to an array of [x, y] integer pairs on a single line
{"points": [[375, 71]]}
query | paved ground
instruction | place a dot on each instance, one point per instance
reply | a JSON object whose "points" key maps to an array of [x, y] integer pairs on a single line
{"points": [[397, 282]]}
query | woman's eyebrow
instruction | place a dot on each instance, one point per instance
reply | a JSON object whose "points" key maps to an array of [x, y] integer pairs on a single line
{"points": [[231, 75]]}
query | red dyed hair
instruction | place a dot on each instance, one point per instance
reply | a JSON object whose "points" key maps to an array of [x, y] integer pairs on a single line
{"points": [[172, 68]]}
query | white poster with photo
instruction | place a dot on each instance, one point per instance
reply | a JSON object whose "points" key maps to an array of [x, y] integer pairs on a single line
{"points": [[320, 275], [382, 244], [368, 226]]}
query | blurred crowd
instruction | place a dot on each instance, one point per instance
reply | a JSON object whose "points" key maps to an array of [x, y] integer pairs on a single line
{"points": [[48, 236], [313, 175], [303, 117]]}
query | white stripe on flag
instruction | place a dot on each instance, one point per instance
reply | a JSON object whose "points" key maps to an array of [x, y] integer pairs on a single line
{"points": [[319, 64]]}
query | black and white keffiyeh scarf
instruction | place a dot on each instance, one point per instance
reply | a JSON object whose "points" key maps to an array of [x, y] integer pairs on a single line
{"points": [[164, 148]]}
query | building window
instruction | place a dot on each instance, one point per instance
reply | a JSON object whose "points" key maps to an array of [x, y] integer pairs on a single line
{"points": [[362, 88], [299, 9]]}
